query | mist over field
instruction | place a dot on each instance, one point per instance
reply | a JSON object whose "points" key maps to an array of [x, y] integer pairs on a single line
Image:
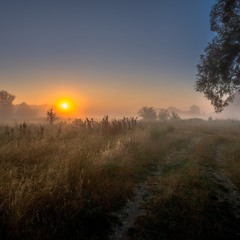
{"points": [[119, 120]]}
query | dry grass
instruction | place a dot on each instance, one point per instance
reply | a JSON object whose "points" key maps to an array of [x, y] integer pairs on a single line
{"points": [[66, 181], [183, 204]]}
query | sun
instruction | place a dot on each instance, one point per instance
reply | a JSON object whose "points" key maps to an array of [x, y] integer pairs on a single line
{"points": [[65, 106]]}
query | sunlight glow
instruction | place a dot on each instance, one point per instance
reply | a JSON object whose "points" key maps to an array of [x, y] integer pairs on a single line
{"points": [[65, 105]]}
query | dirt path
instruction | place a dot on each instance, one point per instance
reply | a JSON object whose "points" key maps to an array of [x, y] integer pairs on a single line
{"points": [[128, 215], [225, 193], [133, 209]]}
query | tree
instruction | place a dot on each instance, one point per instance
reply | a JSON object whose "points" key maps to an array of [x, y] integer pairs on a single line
{"points": [[218, 74], [175, 116], [164, 115], [51, 116], [6, 100], [148, 113], [194, 110]]}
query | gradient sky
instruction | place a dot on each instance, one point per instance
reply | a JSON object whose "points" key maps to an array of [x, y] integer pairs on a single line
{"points": [[109, 56]]}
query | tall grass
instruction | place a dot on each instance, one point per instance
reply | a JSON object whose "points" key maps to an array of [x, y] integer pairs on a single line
{"points": [[183, 202], [65, 181]]}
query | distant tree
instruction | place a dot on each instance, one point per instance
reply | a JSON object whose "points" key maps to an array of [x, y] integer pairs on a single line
{"points": [[6, 98], [51, 116], [174, 116], [148, 113], [6, 106], [195, 110], [164, 115], [218, 74]]}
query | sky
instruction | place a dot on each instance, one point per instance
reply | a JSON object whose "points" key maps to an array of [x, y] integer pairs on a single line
{"points": [[108, 56]]}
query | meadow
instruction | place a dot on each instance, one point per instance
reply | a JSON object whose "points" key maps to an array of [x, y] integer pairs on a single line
{"points": [[73, 180]]}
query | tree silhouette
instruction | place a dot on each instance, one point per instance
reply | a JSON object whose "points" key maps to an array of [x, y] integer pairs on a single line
{"points": [[218, 74], [6, 98], [164, 115], [174, 116], [51, 116], [6, 106], [148, 113], [195, 110]]}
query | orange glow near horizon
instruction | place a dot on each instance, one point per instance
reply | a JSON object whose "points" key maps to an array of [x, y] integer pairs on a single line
{"points": [[65, 106]]}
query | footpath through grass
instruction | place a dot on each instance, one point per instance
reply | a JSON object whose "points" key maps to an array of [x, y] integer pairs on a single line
{"points": [[193, 198]]}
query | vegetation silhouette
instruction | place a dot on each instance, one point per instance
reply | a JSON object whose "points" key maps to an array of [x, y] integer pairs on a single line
{"points": [[6, 103], [164, 115], [51, 115], [194, 110], [151, 114], [218, 76], [148, 113]]}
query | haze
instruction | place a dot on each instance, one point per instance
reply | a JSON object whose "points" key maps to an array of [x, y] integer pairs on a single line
{"points": [[109, 57]]}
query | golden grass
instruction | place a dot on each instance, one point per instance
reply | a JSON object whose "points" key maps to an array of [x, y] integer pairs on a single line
{"points": [[183, 204], [66, 181]]}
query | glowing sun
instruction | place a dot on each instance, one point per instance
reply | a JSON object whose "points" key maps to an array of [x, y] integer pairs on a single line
{"points": [[65, 105]]}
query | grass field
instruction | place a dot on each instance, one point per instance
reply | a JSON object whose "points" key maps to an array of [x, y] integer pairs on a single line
{"points": [[70, 181]]}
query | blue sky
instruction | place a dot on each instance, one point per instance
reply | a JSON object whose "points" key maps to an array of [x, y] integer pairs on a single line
{"points": [[116, 55]]}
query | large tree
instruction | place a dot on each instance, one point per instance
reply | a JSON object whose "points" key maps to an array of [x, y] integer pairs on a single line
{"points": [[218, 74]]}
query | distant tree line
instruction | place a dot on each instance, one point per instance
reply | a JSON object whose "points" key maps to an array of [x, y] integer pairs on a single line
{"points": [[151, 114], [171, 113], [9, 110]]}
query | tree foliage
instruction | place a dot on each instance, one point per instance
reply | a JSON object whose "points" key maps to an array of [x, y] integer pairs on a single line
{"points": [[148, 113], [6, 106], [194, 110], [174, 116], [6, 98], [218, 74], [164, 114]]}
